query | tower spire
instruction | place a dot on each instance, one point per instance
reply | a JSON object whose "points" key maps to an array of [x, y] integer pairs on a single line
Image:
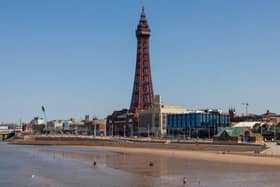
{"points": [[143, 15]]}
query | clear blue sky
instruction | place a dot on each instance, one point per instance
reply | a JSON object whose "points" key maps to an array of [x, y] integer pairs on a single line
{"points": [[78, 56]]}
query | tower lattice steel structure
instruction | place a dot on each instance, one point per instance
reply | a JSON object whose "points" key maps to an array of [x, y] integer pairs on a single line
{"points": [[142, 94]]}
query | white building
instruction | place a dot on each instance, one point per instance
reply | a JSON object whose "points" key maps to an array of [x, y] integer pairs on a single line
{"points": [[37, 121], [154, 121], [4, 127], [55, 125], [248, 124]]}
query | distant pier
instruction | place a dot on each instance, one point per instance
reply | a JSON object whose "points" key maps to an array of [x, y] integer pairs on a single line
{"points": [[5, 134]]}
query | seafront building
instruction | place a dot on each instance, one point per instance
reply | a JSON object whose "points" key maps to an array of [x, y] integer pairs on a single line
{"points": [[197, 123], [238, 135], [94, 127], [153, 122], [4, 132], [268, 117], [266, 124], [8, 130], [55, 125], [122, 123], [38, 121]]}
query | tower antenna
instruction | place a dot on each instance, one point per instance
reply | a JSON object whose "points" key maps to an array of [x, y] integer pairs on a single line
{"points": [[142, 3]]}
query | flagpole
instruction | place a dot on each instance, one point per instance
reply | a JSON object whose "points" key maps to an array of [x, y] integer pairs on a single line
{"points": [[45, 116]]}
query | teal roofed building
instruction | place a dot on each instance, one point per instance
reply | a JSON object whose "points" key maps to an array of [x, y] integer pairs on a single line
{"points": [[238, 135]]}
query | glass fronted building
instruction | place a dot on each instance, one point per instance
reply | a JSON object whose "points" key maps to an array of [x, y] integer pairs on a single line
{"points": [[203, 124]]}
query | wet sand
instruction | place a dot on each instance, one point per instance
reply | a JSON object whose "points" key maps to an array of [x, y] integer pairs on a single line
{"points": [[169, 168], [24, 165], [197, 155]]}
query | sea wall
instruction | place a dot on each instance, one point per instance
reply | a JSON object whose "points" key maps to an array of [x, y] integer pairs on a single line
{"points": [[157, 144]]}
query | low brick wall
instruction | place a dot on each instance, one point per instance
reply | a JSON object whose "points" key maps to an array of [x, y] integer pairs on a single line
{"points": [[28, 138]]}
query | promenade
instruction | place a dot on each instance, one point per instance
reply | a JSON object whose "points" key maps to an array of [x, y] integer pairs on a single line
{"points": [[272, 149]]}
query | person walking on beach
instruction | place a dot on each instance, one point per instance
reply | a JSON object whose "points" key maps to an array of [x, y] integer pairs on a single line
{"points": [[93, 163], [184, 181]]}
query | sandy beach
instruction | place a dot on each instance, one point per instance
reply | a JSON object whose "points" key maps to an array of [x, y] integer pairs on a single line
{"points": [[241, 154], [196, 155]]}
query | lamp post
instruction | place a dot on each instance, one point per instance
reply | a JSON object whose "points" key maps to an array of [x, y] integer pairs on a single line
{"points": [[112, 129], [138, 127], [275, 133], [44, 112], [214, 128], [189, 130], [124, 131], [148, 130], [184, 132], [94, 129], [209, 131]]}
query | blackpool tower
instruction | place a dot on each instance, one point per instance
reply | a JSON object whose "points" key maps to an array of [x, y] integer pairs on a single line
{"points": [[125, 122], [142, 93]]}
